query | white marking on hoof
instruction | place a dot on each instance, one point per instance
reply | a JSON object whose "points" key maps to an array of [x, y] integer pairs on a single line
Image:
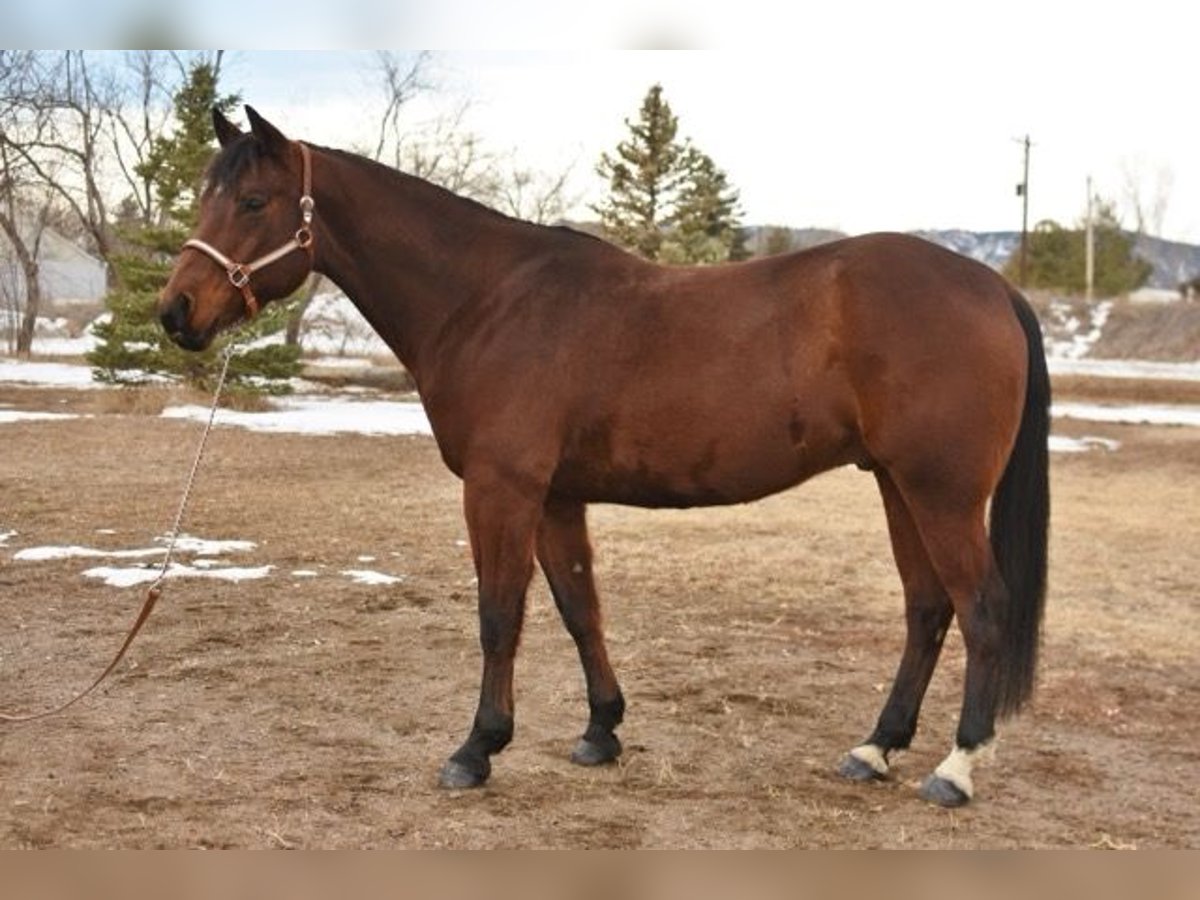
{"points": [[956, 768], [872, 756]]}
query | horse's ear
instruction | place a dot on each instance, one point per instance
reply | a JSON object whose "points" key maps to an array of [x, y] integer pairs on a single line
{"points": [[226, 131], [266, 134]]}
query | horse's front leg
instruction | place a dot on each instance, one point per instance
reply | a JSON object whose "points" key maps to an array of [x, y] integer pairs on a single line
{"points": [[502, 519]]}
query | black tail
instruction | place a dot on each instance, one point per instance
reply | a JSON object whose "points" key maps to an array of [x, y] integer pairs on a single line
{"points": [[1019, 525]]}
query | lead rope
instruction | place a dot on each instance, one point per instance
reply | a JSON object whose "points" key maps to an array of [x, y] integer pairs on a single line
{"points": [[154, 591]]}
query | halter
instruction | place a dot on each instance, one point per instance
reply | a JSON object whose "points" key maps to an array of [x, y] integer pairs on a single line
{"points": [[239, 273]]}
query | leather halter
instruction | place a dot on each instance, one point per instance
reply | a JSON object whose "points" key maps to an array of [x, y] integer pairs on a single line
{"points": [[239, 273]]}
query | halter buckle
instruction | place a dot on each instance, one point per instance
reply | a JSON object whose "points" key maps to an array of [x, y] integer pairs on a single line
{"points": [[239, 276]]}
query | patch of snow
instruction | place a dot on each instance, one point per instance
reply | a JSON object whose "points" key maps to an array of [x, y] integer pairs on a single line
{"points": [[1061, 444], [317, 415], [366, 576], [135, 575], [304, 573], [5, 535], [187, 543], [1145, 414], [1066, 337], [43, 554], [1125, 368], [8, 416], [46, 374]]}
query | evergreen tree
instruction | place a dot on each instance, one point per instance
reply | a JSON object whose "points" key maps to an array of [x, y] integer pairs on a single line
{"points": [[132, 343], [705, 218], [643, 178], [667, 200], [1057, 257]]}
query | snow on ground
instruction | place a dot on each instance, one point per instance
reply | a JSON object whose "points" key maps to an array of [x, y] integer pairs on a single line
{"points": [[132, 576], [7, 416], [202, 567], [1062, 444], [51, 336], [185, 543], [320, 415], [1146, 414], [43, 374], [370, 577], [1125, 368], [1069, 338]]}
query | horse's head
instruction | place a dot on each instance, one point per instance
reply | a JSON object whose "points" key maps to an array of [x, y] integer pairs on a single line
{"points": [[253, 242]]}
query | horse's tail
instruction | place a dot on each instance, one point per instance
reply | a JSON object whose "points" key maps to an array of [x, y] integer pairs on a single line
{"points": [[1019, 525]]}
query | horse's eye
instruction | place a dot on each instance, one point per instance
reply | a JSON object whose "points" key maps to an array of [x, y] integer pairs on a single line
{"points": [[252, 204]]}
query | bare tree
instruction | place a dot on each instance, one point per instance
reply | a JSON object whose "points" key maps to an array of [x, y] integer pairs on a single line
{"points": [[402, 80], [1146, 191], [23, 208], [535, 196], [62, 104], [133, 123]]}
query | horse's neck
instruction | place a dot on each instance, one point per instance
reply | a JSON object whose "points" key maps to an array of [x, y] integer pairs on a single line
{"points": [[406, 253]]}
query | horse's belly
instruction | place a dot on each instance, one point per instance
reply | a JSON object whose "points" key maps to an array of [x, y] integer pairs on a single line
{"points": [[703, 467]]}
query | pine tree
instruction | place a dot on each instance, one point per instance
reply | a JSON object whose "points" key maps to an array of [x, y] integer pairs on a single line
{"points": [[667, 200], [132, 344], [705, 218], [643, 178]]}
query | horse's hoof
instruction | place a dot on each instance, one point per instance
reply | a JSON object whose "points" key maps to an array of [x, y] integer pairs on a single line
{"points": [[943, 793], [855, 769], [456, 775], [590, 752]]}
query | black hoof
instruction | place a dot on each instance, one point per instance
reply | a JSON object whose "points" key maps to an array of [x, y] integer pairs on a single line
{"points": [[855, 769], [596, 751], [943, 793], [459, 775]]}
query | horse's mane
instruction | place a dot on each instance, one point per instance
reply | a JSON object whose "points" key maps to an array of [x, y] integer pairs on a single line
{"points": [[235, 158]]}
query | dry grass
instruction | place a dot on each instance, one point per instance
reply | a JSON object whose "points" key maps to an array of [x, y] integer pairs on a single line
{"points": [[1125, 390]]}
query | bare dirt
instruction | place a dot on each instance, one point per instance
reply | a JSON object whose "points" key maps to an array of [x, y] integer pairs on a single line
{"points": [[754, 645]]}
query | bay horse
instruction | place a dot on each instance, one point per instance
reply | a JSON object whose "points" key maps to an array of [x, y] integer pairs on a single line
{"points": [[558, 370]]}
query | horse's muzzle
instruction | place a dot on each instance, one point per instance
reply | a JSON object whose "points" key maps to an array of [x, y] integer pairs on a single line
{"points": [[173, 314]]}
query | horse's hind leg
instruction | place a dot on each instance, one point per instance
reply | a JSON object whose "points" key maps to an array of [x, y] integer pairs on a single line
{"points": [[955, 537], [928, 612], [566, 557]]}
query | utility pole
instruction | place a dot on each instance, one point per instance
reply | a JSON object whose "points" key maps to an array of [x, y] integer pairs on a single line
{"points": [[1089, 256], [1023, 193]]}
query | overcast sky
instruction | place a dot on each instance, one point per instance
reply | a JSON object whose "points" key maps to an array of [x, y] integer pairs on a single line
{"points": [[854, 115], [858, 134]]}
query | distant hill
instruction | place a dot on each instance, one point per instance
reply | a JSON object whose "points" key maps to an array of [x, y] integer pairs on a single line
{"points": [[1172, 262]]}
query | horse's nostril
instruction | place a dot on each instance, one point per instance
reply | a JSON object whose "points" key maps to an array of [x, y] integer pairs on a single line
{"points": [[175, 313]]}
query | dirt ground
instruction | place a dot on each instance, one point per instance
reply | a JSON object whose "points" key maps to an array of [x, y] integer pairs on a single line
{"points": [[754, 645]]}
